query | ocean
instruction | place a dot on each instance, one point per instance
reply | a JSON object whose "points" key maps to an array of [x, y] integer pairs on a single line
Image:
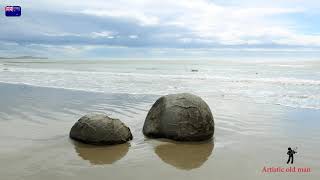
{"points": [[294, 84], [260, 109]]}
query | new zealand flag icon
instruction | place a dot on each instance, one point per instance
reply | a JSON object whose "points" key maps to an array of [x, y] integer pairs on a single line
{"points": [[13, 10]]}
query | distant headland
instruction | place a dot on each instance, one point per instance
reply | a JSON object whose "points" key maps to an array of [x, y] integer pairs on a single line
{"points": [[24, 57]]}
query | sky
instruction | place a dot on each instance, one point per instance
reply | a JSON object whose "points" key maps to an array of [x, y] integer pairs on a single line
{"points": [[161, 28]]}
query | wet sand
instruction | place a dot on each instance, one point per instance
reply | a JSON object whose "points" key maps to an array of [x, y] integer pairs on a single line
{"points": [[35, 122]]}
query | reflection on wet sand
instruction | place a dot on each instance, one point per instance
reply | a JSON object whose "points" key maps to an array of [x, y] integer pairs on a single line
{"points": [[185, 156], [99, 155]]}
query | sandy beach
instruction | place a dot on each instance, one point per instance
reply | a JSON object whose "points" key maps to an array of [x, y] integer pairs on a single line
{"points": [[35, 122]]}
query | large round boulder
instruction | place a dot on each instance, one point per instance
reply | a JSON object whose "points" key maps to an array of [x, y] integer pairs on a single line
{"points": [[181, 117], [100, 129]]}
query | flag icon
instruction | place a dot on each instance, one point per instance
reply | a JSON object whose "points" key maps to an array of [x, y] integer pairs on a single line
{"points": [[12, 10]]}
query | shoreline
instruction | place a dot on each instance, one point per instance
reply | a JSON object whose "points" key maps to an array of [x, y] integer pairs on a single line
{"points": [[36, 121], [245, 99]]}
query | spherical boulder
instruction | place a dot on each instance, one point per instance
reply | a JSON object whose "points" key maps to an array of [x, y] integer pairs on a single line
{"points": [[99, 129], [181, 117]]}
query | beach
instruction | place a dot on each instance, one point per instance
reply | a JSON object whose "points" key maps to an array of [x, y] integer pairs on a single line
{"points": [[260, 109]]}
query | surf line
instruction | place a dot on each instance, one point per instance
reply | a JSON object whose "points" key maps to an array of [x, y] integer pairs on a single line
{"points": [[286, 169]]}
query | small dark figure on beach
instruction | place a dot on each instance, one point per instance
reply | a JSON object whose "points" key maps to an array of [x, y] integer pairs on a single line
{"points": [[290, 153]]}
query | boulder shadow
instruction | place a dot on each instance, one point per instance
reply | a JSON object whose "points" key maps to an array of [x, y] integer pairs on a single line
{"points": [[100, 155], [185, 156]]}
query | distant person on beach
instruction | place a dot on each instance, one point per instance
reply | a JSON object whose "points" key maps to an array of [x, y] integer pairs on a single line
{"points": [[290, 153]]}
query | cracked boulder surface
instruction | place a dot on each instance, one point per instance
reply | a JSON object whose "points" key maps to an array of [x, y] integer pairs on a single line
{"points": [[99, 129], [181, 117]]}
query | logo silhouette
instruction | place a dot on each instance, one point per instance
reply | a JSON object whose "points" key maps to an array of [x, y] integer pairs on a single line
{"points": [[290, 153]]}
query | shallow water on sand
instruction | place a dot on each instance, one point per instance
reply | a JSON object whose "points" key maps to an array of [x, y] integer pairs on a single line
{"points": [[35, 122]]}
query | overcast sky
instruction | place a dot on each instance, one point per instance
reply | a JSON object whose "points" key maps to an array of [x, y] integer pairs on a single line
{"points": [[159, 28]]}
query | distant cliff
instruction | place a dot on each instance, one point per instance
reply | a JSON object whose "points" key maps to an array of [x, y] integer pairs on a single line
{"points": [[24, 57]]}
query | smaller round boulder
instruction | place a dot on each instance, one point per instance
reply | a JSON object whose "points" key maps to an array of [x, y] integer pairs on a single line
{"points": [[99, 129]]}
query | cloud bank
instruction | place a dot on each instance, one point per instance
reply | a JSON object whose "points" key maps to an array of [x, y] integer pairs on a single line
{"points": [[84, 28]]}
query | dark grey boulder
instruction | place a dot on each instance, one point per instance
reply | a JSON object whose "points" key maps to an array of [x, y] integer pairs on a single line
{"points": [[99, 129], [181, 117]]}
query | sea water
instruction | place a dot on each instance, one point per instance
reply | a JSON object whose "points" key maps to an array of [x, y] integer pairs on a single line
{"points": [[249, 100], [294, 84]]}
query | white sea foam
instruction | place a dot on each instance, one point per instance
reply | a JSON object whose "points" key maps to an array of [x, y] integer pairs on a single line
{"points": [[288, 65], [267, 86]]}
